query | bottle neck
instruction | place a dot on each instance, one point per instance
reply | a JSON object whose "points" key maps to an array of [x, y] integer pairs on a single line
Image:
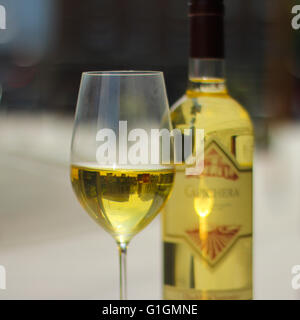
{"points": [[206, 63], [207, 75]]}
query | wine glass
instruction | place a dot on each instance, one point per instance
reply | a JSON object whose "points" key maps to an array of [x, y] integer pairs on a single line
{"points": [[120, 173]]}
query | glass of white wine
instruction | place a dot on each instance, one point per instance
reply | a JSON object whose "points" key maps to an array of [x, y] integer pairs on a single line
{"points": [[118, 171]]}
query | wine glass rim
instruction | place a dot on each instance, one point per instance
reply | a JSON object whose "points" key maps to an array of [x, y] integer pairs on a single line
{"points": [[123, 73]]}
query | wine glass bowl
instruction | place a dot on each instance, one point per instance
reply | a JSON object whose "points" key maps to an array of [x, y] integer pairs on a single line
{"points": [[119, 173]]}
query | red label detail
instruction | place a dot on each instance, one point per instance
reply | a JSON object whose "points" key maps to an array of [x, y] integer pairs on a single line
{"points": [[215, 166], [213, 243]]}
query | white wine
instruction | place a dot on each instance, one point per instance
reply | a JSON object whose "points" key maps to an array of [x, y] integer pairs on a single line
{"points": [[207, 222], [122, 201]]}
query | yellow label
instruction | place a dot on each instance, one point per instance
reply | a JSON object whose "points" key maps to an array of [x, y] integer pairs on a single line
{"points": [[211, 211]]}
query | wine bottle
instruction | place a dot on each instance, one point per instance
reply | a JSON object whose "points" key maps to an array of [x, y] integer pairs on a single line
{"points": [[207, 223]]}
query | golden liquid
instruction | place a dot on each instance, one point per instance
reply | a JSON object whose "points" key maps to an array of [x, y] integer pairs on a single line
{"points": [[207, 222], [122, 201]]}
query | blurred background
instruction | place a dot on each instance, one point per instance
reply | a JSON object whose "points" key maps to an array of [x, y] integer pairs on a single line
{"points": [[48, 245]]}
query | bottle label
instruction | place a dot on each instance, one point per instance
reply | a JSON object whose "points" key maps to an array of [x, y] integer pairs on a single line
{"points": [[213, 210]]}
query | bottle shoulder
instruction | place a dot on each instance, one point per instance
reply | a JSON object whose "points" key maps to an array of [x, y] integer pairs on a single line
{"points": [[211, 112]]}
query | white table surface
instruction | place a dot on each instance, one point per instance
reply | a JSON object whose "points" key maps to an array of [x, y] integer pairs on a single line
{"points": [[51, 249]]}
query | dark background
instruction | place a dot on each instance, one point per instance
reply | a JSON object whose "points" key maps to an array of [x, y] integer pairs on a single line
{"points": [[49, 43]]}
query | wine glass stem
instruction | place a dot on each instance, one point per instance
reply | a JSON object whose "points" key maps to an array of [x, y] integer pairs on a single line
{"points": [[123, 271]]}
